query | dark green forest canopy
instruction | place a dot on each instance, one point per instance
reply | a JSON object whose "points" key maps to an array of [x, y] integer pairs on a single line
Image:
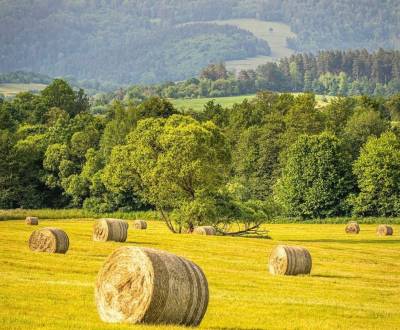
{"points": [[277, 154], [142, 40]]}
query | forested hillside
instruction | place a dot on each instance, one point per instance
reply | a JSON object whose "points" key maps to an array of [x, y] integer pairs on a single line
{"points": [[143, 41]]}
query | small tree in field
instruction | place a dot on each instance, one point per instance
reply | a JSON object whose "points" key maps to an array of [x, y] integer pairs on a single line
{"points": [[316, 178], [378, 175], [176, 164]]}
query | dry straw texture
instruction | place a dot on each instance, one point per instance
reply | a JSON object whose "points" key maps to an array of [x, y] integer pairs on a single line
{"points": [[142, 285], [110, 230], [140, 224], [384, 230], [204, 230], [32, 221], [352, 227], [290, 260], [50, 240]]}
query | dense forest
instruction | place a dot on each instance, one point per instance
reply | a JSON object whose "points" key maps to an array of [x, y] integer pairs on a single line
{"points": [[130, 41], [278, 153], [336, 73]]}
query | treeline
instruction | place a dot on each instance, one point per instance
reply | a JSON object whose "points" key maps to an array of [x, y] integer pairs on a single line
{"points": [[146, 41], [278, 154], [337, 73]]}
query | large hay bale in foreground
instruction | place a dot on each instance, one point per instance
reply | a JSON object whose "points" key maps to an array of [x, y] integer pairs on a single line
{"points": [[110, 230], [140, 224], [51, 240], [143, 285], [204, 230], [384, 230], [352, 227], [32, 221], [290, 260]]}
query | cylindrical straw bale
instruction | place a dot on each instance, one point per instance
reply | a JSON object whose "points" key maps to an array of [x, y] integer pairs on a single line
{"points": [[143, 285], [290, 260], [384, 230], [204, 230], [51, 240], [32, 221], [110, 230], [140, 224], [352, 227]]}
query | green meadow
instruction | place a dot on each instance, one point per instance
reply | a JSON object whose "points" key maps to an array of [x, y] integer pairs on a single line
{"points": [[354, 283]]}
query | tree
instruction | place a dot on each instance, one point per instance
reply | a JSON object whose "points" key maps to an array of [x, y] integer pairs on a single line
{"points": [[316, 179], [175, 164], [60, 95], [378, 171]]}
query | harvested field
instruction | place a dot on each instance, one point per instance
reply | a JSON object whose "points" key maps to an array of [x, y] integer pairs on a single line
{"points": [[355, 279]]}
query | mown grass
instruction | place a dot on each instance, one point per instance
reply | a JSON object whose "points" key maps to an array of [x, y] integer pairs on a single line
{"points": [[355, 281], [14, 89]]}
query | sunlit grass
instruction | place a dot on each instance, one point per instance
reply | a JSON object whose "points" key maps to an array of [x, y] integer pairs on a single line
{"points": [[355, 281]]}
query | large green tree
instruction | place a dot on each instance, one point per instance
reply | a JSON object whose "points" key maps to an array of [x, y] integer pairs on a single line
{"points": [[378, 172], [316, 178], [175, 164]]}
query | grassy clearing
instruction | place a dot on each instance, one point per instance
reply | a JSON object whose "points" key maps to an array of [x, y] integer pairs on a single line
{"points": [[229, 101], [355, 281], [273, 32], [13, 89]]}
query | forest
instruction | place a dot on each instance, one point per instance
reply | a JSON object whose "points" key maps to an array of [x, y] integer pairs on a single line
{"points": [[336, 73], [278, 154], [132, 41]]}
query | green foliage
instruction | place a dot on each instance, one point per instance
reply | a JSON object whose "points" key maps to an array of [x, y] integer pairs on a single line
{"points": [[316, 178], [174, 164], [377, 171]]}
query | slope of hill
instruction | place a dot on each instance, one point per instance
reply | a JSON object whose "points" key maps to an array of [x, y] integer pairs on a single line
{"points": [[143, 41]]}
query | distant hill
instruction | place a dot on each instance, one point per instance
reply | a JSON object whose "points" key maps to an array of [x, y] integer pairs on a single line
{"points": [[136, 41]]}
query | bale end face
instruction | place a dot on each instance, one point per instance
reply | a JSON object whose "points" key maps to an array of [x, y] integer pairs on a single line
{"points": [[140, 224], [384, 230], [110, 230], [352, 228], [142, 285], [50, 240], [32, 221], [290, 260]]}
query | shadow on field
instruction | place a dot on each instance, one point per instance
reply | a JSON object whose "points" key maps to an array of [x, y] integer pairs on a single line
{"points": [[225, 328], [349, 241], [141, 243], [334, 276]]}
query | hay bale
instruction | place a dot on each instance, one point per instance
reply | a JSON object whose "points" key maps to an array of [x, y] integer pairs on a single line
{"points": [[290, 260], [110, 230], [204, 230], [51, 240], [140, 224], [352, 227], [384, 230], [32, 221], [143, 285]]}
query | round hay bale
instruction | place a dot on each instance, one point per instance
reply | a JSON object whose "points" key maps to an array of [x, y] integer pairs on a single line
{"points": [[51, 240], [384, 230], [32, 221], [143, 285], [352, 227], [140, 224], [290, 260], [204, 230], [110, 230]]}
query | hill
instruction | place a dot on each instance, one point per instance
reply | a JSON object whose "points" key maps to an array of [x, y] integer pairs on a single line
{"points": [[143, 41]]}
